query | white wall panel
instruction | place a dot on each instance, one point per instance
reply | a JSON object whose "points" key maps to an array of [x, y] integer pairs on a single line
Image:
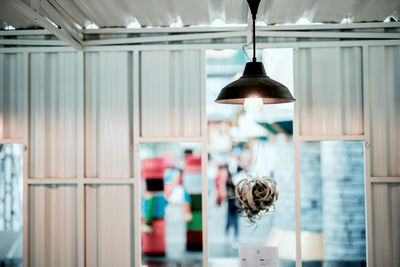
{"points": [[170, 93], [108, 114], [329, 91], [386, 224], [384, 80], [11, 96], [52, 225], [109, 225], [55, 113]]}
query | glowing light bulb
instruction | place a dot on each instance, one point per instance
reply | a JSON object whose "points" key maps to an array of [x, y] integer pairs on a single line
{"points": [[253, 105]]}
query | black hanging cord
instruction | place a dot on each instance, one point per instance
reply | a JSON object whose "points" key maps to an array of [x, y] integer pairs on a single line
{"points": [[254, 39], [253, 5]]}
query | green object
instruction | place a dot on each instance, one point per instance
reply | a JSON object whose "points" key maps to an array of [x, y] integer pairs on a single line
{"points": [[195, 202], [196, 222], [149, 211]]}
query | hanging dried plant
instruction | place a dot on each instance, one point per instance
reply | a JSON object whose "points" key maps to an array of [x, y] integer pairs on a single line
{"points": [[256, 196]]}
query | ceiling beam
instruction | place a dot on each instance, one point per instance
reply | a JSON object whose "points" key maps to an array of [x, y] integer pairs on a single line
{"points": [[166, 38], [198, 29], [194, 29], [218, 35], [67, 16], [61, 20], [319, 34], [61, 33], [24, 32], [331, 26], [31, 42]]}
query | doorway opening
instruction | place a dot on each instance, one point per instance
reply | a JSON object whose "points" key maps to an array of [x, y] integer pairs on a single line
{"points": [[242, 143]]}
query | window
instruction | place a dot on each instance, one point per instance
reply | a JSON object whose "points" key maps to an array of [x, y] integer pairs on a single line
{"points": [[332, 203], [171, 198], [11, 204]]}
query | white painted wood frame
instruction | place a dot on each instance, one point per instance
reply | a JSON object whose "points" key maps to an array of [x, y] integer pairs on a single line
{"points": [[80, 181]]}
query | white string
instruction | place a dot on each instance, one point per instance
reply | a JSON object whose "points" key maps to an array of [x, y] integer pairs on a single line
{"points": [[258, 149]]}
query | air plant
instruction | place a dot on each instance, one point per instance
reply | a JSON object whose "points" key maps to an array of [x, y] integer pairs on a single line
{"points": [[256, 196]]}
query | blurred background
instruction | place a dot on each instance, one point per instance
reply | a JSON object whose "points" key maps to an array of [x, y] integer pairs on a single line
{"points": [[244, 143], [11, 174], [241, 142]]}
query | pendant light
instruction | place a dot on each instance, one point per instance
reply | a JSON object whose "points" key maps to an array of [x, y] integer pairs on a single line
{"points": [[254, 83]]}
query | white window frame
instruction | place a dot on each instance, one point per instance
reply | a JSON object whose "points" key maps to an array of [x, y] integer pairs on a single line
{"points": [[80, 181]]}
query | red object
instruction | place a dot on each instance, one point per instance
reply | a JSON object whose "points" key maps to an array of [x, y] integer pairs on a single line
{"points": [[192, 163], [220, 183], [194, 240], [168, 159], [180, 179], [168, 189], [194, 236], [153, 168], [154, 242]]}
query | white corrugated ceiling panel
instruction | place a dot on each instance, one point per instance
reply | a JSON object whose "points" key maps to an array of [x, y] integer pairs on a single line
{"points": [[156, 13], [329, 91], [119, 13], [11, 96], [109, 225], [170, 93], [56, 113], [386, 224], [14, 17], [52, 226], [108, 114], [287, 11], [384, 79], [372, 10]]}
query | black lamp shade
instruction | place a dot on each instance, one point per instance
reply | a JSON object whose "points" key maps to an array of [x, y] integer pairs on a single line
{"points": [[255, 84]]}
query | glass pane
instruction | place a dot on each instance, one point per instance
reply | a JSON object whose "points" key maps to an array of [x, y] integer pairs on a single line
{"points": [[332, 203], [171, 186], [242, 143], [11, 184]]}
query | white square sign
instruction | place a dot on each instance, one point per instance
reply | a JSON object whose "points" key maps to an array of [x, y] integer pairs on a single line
{"points": [[258, 256]]}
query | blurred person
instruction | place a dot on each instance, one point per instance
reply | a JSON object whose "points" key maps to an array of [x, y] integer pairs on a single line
{"points": [[220, 183], [180, 196], [245, 162], [232, 220]]}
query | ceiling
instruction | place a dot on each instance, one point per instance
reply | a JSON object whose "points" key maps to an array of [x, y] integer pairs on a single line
{"points": [[121, 13]]}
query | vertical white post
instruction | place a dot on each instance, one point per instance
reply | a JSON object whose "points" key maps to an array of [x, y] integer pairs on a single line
{"points": [[2, 65], [25, 208], [80, 162], [204, 158], [136, 158], [367, 158], [296, 134]]}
